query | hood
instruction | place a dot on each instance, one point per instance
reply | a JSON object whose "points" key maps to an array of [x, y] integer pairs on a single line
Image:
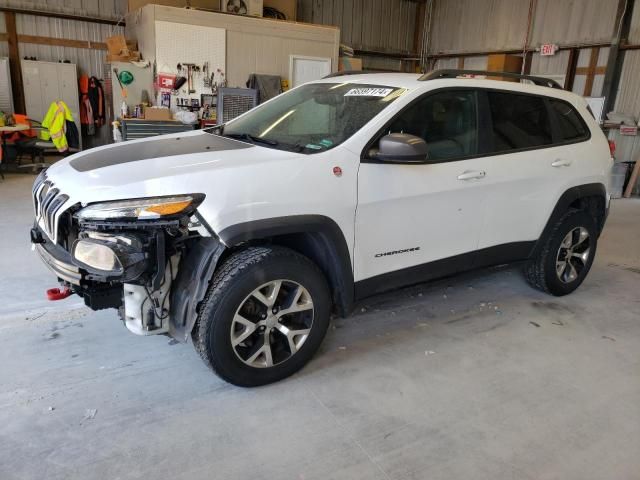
{"points": [[240, 181], [168, 164], [176, 145]]}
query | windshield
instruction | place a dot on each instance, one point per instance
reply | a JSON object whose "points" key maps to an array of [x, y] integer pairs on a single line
{"points": [[312, 118]]}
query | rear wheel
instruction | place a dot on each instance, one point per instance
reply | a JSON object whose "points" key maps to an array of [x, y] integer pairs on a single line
{"points": [[264, 316], [566, 256]]}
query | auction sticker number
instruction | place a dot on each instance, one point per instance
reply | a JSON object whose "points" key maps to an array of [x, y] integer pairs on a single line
{"points": [[368, 92]]}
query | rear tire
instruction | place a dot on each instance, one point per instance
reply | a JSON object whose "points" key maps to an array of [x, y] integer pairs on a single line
{"points": [[264, 316], [566, 256]]}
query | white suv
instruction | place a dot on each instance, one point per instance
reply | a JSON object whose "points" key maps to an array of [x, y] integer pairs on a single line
{"points": [[247, 236]]}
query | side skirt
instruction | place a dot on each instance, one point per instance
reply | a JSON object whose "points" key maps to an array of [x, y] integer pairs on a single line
{"points": [[496, 255]]}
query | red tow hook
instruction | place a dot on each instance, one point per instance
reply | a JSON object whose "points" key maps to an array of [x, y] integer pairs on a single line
{"points": [[54, 294]]}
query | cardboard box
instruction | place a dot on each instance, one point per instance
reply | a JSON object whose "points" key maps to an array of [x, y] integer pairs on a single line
{"points": [[501, 62], [349, 63], [129, 57], [117, 44], [119, 49], [157, 113], [288, 7]]}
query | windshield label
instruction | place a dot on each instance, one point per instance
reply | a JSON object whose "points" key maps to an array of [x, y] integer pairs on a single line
{"points": [[368, 92]]}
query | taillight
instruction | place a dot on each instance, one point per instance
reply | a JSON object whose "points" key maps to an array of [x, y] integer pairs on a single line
{"points": [[612, 147]]}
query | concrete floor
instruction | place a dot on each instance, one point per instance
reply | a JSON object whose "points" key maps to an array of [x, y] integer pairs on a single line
{"points": [[477, 377]]}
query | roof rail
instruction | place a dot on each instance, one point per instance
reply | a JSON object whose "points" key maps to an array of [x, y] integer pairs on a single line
{"points": [[453, 73], [351, 72]]}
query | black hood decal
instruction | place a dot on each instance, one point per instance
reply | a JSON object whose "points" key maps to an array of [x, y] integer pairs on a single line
{"points": [[162, 147]]}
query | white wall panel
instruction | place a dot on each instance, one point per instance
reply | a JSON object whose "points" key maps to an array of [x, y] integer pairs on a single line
{"points": [[476, 63], [628, 99], [550, 65], [253, 45]]}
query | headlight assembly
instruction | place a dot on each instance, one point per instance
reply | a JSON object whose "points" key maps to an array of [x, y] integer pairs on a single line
{"points": [[110, 255], [141, 208]]}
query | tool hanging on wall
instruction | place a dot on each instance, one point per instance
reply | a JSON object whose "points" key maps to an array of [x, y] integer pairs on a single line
{"points": [[123, 89], [205, 71], [190, 70]]}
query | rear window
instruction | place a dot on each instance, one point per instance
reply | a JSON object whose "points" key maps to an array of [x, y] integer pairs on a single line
{"points": [[519, 121], [570, 123]]}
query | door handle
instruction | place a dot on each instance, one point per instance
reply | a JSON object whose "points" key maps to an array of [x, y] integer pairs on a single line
{"points": [[471, 175], [561, 162]]}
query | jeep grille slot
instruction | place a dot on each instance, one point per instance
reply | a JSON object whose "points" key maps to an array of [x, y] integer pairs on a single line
{"points": [[47, 203]]}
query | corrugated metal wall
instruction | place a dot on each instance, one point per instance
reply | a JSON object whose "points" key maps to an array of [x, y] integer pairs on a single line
{"points": [[573, 21], [634, 34], [88, 60], [471, 25], [113, 9], [379, 25]]}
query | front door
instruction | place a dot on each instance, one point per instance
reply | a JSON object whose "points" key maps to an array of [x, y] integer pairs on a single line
{"points": [[412, 215]]}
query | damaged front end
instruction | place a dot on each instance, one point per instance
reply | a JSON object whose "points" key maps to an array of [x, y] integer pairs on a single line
{"points": [[149, 258]]}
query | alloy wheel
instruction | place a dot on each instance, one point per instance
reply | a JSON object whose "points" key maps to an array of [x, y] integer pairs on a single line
{"points": [[573, 254], [272, 323]]}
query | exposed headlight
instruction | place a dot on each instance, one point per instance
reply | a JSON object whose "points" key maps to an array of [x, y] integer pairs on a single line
{"points": [[109, 255], [97, 256], [141, 208]]}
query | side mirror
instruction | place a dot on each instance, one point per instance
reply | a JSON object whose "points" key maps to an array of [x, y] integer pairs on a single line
{"points": [[401, 148]]}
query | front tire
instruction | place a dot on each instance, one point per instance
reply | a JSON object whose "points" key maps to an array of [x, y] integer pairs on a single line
{"points": [[566, 256], [264, 316]]}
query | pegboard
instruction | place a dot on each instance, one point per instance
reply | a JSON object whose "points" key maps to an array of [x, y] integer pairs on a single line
{"points": [[182, 43]]}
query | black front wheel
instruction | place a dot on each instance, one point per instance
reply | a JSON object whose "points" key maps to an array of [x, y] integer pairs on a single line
{"points": [[265, 315]]}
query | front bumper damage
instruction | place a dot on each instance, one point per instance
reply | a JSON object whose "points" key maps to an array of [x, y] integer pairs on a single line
{"points": [[158, 296]]}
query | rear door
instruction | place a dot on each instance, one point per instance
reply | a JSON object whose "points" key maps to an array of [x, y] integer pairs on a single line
{"points": [[533, 158]]}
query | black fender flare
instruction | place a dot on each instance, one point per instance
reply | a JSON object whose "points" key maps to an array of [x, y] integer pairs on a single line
{"points": [[191, 284], [562, 205], [320, 238]]}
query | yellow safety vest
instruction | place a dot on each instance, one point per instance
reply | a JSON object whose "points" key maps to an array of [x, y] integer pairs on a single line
{"points": [[54, 122]]}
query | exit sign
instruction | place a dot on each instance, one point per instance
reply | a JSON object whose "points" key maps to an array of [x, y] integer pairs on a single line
{"points": [[548, 49]]}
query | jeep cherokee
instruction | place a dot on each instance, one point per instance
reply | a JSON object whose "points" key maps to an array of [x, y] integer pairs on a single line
{"points": [[247, 236]]}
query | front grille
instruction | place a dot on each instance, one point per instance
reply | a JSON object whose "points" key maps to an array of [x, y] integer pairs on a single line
{"points": [[47, 201]]}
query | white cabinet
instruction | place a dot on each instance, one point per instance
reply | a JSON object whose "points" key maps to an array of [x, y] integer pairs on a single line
{"points": [[47, 82], [6, 97]]}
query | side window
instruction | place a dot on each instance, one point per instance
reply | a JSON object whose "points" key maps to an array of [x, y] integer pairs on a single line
{"points": [[447, 121], [519, 121], [570, 124]]}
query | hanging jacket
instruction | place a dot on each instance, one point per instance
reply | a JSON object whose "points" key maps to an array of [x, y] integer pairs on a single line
{"points": [[95, 94], [73, 136], [87, 120], [54, 122]]}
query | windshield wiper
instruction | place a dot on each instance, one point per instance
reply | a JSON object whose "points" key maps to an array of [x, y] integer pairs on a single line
{"points": [[251, 138]]}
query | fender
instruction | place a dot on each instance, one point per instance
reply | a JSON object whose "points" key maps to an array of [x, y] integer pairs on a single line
{"points": [[563, 204], [316, 236]]}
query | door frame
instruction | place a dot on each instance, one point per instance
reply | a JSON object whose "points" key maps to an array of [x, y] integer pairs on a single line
{"points": [[294, 57]]}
